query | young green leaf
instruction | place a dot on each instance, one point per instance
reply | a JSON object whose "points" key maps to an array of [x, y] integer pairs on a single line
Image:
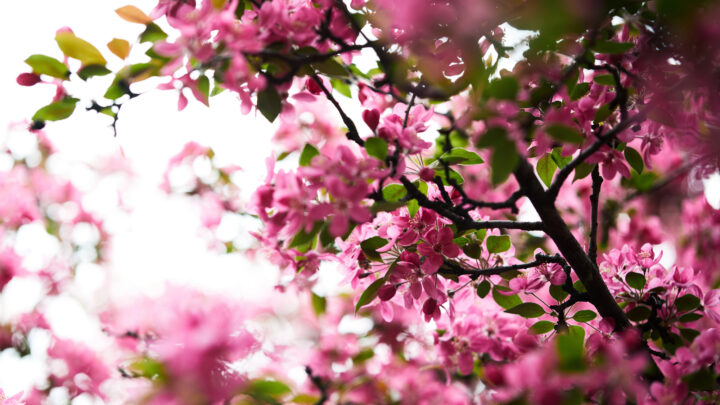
{"points": [[369, 294], [45, 65], [79, 49], [308, 152], [394, 192], [461, 156], [584, 315], [56, 111], [483, 289], [269, 103], [546, 168], [498, 244], [376, 147], [635, 280], [505, 301], [687, 302], [541, 327], [527, 310], [634, 159], [370, 247]]}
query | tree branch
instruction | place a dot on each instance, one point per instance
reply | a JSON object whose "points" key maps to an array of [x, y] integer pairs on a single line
{"points": [[569, 247], [594, 201]]}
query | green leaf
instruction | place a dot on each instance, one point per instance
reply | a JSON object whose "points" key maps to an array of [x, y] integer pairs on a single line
{"points": [[634, 159], [453, 175], [413, 206], [341, 87], [303, 239], [602, 114], [579, 286], [504, 160], [527, 310], [689, 334], [376, 147], [267, 389], [45, 65], [701, 380], [461, 156], [564, 134], [546, 168], [473, 250], [504, 88], [152, 33], [560, 160], [483, 289], [690, 317], [635, 280], [148, 368], [319, 304], [541, 327], [269, 103], [582, 170], [117, 89], [370, 247], [638, 313], [364, 355], [612, 47], [93, 70], [687, 302], [331, 67], [308, 152], [56, 111], [394, 192], [79, 49], [584, 315], [606, 80], [203, 84], [498, 244], [571, 349], [301, 398], [558, 293], [369, 294], [505, 301], [580, 91], [385, 206]]}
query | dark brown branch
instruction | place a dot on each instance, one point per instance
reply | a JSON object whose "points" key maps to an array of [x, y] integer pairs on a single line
{"points": [[569, 247], [455, 269], [352, 133], [594, 202], [461, 222], [319, 384]]}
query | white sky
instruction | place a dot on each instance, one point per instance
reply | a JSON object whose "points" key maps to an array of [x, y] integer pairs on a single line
{"points": [[159, 242]]}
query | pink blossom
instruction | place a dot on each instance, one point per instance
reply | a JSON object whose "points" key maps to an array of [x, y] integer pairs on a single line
{"points": [[435, 245]]}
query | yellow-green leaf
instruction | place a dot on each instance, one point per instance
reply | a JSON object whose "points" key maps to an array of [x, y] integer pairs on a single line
{"points": [[45, 65], [79, 49]]}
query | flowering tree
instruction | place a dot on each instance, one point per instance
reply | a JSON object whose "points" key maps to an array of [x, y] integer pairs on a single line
{"points": [[493, 179]]}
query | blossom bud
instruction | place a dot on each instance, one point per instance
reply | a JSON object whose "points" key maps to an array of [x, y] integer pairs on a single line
{"points": [[312, 86], [371, 118], [28, 79], [429, 307], [427, 174], [386, 292]]}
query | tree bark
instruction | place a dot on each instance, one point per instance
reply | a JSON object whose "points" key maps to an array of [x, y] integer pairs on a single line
{"points": [[558, 231]]}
